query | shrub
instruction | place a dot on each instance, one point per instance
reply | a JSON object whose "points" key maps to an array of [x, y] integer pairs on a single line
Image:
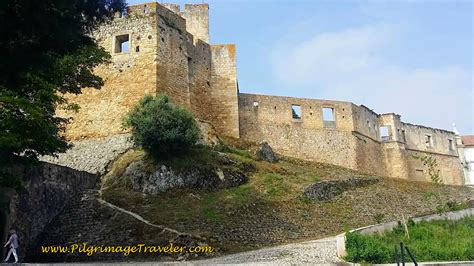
{"points": [[160, 127]]}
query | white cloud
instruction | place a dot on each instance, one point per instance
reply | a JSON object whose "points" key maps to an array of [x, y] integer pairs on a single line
{"points": [[330, 54], [350, 65]]}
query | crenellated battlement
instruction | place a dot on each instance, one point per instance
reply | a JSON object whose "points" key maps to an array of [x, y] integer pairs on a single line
{"points": [[196, 16]]}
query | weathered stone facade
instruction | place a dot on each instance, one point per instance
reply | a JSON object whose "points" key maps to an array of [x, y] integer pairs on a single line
{"points": [[352, 138], [169, 52]]}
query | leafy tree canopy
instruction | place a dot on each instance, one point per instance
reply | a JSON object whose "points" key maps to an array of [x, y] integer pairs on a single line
{"points": [[47, 50]]}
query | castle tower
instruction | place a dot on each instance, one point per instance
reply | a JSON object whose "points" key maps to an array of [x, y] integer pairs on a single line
{"points": [[159, 49]]}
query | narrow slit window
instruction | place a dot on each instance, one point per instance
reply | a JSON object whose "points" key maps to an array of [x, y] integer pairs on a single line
{"points": [[122, 43], [328, 114], [384, 133], [190, 69], [296, 111]]}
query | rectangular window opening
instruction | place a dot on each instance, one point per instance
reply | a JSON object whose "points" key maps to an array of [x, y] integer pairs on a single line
{"points": [[328, 114], [296, 111], [122, 43], [451, 144], [384, 133], [428, 141]]}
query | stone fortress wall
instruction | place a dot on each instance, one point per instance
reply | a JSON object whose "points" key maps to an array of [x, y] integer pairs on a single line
{"points": [[169, 52], [166, 54], [351, 137]]}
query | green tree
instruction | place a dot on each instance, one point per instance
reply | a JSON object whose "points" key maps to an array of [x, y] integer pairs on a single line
{"points": [[47, 51], [160, 127]]}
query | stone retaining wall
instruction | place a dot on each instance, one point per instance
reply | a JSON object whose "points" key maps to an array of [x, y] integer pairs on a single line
{"points": [[48, 188]]}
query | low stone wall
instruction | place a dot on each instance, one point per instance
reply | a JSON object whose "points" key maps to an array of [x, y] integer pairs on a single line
{"points": [[379, 228], [48, 188]]}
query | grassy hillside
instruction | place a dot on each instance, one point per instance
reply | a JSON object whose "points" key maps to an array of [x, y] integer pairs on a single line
{"points": [[270, 208]]}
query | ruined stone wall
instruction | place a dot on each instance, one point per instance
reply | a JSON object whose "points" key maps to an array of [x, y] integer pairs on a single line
{"points": [[270, 118], [366, 122], [369, 154], [278, 110], [442, 148], [346, 141], [406, 141], [442, 141], [352, 140]]}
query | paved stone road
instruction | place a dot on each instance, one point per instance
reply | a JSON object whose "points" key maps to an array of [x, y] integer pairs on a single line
{"points": [[322, 251]]}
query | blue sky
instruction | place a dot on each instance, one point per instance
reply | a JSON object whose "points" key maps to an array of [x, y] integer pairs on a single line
{"points": [[414, 58]]}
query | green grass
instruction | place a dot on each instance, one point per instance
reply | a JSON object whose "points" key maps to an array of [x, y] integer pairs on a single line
{"points": [[277, 187], [441, 240]]}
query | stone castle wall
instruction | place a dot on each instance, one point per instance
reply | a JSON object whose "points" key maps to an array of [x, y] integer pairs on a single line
{"points": [[353, 139], [407, 141], [270, 118], [223, 111], [128, 77], [167, 53]]}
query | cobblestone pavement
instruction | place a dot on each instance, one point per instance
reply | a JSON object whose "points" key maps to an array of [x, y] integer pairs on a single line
{"points": [[322, 251]]}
